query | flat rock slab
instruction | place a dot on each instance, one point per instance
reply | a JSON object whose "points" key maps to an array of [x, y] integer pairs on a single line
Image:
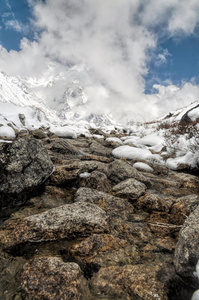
{"points": [[51, 278], [67, 221]]}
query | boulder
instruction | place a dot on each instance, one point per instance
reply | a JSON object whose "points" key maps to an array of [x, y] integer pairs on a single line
{"points": [[120, 170], [51, 278], [142, 281], [38, 134], [155, 202], [114, 206], [64, 222], [24, 167], [130, 188], [187, 250], [186, 180], [184, 206], [98, 149], [96, 180]]}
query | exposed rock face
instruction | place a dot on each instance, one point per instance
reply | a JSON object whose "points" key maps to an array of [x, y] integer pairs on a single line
{"points": [[24, 166], [67, 221], [51, 278], [187, 250]]}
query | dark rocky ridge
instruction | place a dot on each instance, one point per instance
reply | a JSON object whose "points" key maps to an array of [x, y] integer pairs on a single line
{"points": [[99, 228]]}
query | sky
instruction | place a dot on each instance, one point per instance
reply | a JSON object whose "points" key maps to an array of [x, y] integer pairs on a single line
{"points": [[136, 59]]}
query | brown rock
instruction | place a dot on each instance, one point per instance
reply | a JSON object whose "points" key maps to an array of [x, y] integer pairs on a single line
{"points": [[38, 134], [150, 202], [96, 244], [64, 146], [96, 180], [62, 176], [67, 221], [183, 207], [131, 282], [186, 180], [51, 278]]}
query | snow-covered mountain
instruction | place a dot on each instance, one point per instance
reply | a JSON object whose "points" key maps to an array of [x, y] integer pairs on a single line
{"points": [[15, 92], [71, 93]]}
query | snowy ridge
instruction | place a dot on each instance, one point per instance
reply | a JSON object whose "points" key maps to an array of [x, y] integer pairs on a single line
{"points": [[167, 141], [72, 95], [13, 91]]}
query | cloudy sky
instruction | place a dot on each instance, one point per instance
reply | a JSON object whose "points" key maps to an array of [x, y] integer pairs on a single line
{"points": [[136, 59]]}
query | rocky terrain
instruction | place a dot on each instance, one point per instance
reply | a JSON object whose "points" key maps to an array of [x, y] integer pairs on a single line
{"points": [[78, 223]]}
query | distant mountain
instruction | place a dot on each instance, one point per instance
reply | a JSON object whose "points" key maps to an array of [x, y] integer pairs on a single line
{"points": [[13, 91], [67, 94]]}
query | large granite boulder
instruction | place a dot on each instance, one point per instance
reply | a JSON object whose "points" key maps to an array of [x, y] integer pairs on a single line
{"points": [[24, 167], [187, 250], [64, 222], [51, 278]]}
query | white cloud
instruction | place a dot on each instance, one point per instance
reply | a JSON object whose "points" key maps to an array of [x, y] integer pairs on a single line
{"points": [[112, 39], [14, 24]]}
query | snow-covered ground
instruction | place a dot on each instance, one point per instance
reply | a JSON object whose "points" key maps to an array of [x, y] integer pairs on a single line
{"points": [[165, 141]]}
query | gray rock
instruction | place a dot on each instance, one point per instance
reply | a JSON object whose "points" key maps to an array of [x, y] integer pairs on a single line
{"points": [[64, 146], [98, 149], [22, 119], [51, 278], [120, 170], [187, 250], [114, 206], [97, 180], [130, 188], [67, 221], [24, 166]]}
